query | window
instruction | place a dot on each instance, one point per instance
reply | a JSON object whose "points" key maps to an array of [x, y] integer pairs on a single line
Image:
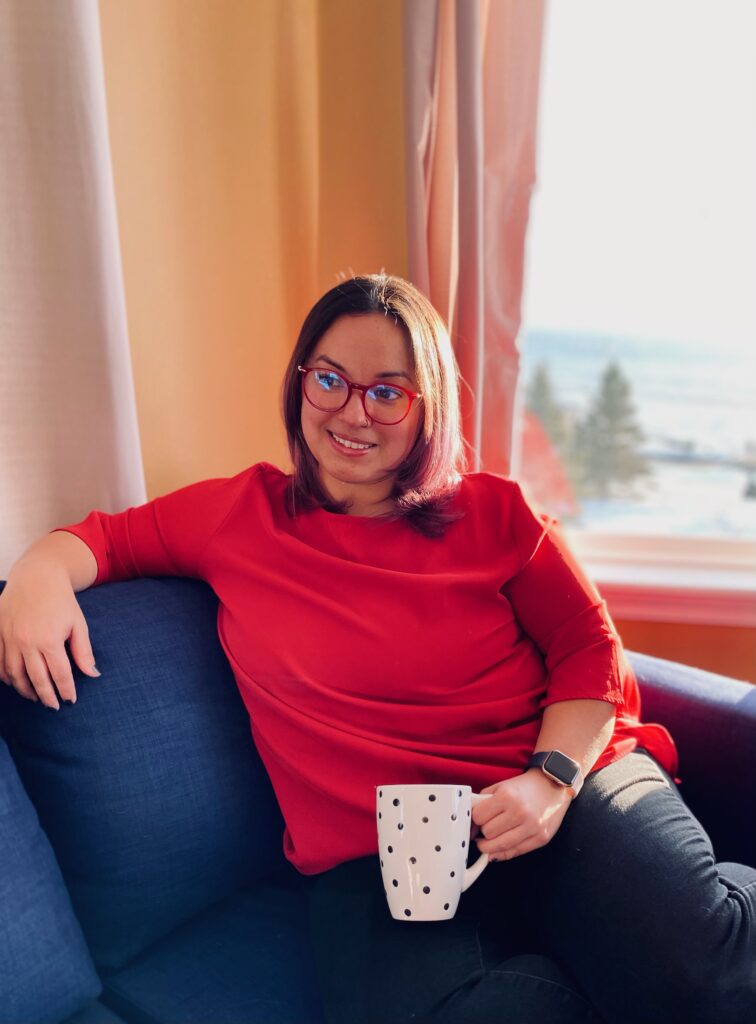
{"points": [[638, 382]]}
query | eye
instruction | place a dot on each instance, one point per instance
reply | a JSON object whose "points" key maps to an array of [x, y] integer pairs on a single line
{"points": [[385, 393], [328, 380]]}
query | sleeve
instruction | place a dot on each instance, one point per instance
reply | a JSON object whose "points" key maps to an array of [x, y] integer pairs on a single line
{"points": [[560, 609], [168, 536]]}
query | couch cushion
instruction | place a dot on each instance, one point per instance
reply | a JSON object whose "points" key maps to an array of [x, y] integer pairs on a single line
{"points": [[149, 787], [245, 961], [94, 1012], [46, 972], [713, 721]]}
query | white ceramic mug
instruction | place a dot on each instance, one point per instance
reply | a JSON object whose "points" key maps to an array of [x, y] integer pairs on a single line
{"points": [[423, 843]]}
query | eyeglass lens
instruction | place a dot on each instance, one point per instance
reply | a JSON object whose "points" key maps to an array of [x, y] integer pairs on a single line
{"points": [[329, 391]]}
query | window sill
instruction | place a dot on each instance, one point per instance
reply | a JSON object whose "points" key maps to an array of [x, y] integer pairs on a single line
{"points": [[668, 579]]}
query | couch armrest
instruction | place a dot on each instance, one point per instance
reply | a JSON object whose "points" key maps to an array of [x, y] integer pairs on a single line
{"points": [[712, 719]]}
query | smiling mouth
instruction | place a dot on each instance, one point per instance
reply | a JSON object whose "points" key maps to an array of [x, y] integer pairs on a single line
{"points": [[353, 445]]}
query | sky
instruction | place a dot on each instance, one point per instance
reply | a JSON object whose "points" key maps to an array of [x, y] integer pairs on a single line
{"points": [[643, 220]]}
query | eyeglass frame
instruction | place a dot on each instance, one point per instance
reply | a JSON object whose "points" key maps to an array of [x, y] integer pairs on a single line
{"points": [[362, 389]]}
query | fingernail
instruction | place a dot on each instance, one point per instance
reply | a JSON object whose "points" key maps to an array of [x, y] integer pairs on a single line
{"points": [[66, 701], [96, 670], [52, 707]]}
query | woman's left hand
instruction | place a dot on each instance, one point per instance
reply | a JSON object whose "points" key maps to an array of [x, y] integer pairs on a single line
{"points": [[523, 814]]}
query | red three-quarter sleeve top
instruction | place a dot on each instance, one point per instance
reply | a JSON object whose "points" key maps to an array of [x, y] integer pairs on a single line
{"points": [[367, 654]]}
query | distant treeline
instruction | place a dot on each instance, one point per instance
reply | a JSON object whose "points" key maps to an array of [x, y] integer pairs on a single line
{"points": [[602, 450]]}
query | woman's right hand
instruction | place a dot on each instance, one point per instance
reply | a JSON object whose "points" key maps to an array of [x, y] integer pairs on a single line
{"points": [[39, 613]]}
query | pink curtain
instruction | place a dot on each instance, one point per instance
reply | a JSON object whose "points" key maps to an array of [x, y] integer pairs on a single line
{"points": [[69, 439], [472, 77]]}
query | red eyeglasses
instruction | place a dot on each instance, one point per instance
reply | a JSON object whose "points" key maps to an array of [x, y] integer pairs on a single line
{"points": [[329, 391]]}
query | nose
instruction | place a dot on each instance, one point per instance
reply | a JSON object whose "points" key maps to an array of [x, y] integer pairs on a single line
{"points": [[354, 410]]}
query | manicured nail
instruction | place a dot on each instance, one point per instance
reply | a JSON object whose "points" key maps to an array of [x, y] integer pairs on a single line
{"points": [[52, 707], [96, 670], [67, 701]]}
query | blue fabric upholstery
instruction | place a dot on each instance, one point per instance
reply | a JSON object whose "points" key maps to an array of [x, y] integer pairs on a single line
{"points": [[94, 1012], [149, 787], [46, 971], [244, 960], [713, 721], [168, 835]]}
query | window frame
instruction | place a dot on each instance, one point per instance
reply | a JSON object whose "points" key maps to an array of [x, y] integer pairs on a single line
{"points": [[694, 580]]}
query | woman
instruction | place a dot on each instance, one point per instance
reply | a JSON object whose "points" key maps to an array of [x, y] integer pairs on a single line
{"points": [[391, 618]]}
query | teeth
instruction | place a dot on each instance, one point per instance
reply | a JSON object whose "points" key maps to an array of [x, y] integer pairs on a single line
{"points": [[350, 444]]}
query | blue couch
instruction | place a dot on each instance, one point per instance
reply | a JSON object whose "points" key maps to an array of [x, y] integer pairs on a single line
{"points": [[142, 878]]}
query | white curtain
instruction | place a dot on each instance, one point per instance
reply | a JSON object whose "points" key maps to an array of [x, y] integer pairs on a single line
{"points": [[472, 77], [69, 439]]}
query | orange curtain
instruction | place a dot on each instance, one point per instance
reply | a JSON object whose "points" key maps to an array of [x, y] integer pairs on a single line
{"points": [[257, 154], [471, 108]]}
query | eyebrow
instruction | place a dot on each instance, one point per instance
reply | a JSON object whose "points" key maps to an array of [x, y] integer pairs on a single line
{"points": [[378, 376]]}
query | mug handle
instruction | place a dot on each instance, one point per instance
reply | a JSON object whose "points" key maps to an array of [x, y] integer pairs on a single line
{"points": [[473, 873]]}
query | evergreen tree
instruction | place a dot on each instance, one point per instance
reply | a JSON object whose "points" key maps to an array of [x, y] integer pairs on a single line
{"points": [[541, 401], [608, 440]]}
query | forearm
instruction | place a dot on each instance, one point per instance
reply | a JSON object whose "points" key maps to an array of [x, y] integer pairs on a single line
{"points": [[581, 729], [57, 553]]}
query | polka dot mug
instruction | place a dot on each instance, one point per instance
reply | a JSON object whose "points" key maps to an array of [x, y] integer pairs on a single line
{"points": [[423, 843]]}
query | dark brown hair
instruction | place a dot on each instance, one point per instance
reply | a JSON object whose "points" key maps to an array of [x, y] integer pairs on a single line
{"points": [[430, 475]]}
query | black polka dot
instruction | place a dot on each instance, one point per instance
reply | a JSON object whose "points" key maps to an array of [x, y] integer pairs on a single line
{"points": [[459, 792], [454, 817], [426, 889], [431, 798], [391, 849], [438, 849], [413, 860], [446, 906], [379, 815], [425, 820], [408, 913], [395, 884], [468, 814], [380, 792], [396, 802], [464, 843], [381, 863], [400, 826], [452, 875]]}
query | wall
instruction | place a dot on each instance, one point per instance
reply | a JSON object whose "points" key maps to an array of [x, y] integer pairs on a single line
{"points": [[728, 650]]}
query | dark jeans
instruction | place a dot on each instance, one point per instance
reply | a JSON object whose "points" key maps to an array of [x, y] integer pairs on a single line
{"points": [[624, 918]]}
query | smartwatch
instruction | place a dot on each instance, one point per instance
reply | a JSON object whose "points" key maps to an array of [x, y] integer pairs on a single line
{"points": [[559, 768]]}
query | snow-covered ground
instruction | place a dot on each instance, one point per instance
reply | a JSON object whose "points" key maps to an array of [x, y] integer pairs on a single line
{"points": [[688, 399]]}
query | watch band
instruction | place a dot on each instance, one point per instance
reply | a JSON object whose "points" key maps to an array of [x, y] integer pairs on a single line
{"points": [[559, 768]]}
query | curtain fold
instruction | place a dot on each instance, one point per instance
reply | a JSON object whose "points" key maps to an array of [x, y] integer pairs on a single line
{"points": [[69, 439], [472, 80]]}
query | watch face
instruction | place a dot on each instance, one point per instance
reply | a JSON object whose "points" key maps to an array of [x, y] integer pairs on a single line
{"points": [[561, 767]]}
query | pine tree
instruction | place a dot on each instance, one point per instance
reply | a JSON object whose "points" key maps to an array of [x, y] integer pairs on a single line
{"points": [[542, 403], [608, 440]]}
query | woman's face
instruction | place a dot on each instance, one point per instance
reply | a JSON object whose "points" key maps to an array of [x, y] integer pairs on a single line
{"points": [[363, 349]]}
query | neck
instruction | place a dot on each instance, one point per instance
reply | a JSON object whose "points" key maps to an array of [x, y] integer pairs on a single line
{"points": [[360, 504]]}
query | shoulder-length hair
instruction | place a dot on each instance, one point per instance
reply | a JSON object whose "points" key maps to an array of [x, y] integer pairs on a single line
{"points": [[427, 480]]}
